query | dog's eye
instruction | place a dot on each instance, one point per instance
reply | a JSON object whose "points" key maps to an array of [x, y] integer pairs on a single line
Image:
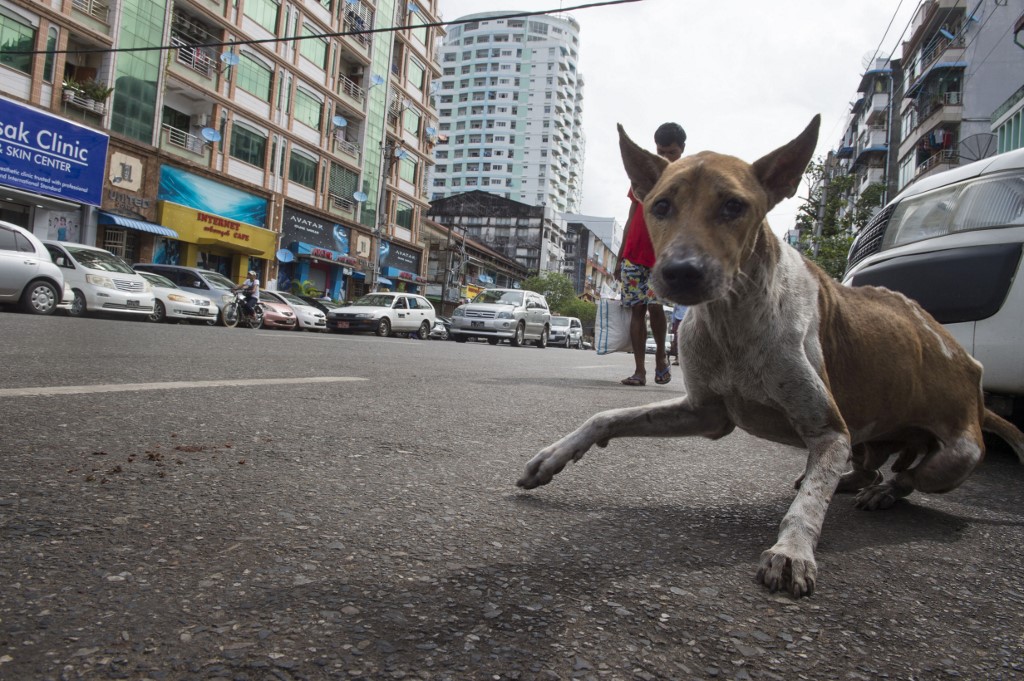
{"points": [[661, 208], [733, 208]]}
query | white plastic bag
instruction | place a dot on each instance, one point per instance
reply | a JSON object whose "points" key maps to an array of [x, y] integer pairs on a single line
{"points": [[612, 328]]}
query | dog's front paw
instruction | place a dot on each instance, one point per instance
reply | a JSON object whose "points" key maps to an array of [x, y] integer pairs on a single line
{"points": [[784, 569], [549, 462], [876, 497]]}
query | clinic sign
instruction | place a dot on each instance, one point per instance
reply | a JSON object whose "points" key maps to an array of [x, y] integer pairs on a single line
{"points": [[45, 154]]}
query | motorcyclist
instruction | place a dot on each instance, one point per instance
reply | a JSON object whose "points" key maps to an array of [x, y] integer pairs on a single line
{"points": [[251, 288]]}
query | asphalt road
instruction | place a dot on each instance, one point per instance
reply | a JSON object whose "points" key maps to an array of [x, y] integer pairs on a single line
{"points": [[282, 505]]}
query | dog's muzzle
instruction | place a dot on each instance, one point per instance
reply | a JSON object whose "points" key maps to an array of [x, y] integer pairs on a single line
{"points": [[687, 280]]}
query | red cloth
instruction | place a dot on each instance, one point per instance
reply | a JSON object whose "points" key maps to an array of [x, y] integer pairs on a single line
{"points": [[638, 248]]}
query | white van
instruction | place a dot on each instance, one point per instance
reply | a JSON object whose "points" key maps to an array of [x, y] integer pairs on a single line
{"points": [[953, 242], [100, 281]]}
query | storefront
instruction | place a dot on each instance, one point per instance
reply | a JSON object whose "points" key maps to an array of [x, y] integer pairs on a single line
{"points": [[218, 227], [127, 222], [400, 268], [51, 172], [321, 256]]}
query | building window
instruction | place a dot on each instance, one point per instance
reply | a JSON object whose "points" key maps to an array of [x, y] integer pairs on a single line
{"points": [[121, 242], [302, 169], [247, 145], [407, 169], [253, 77], [416, 74], [313, 49], [308, 109], [264, 13], [411, 122], [403, 214], [51, 45], [16, 37]]}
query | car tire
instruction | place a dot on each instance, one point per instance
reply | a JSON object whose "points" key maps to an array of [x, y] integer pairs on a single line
{"points": [[518, 336], [40, 297], [78, 306], [542, 342], [383, 327], [159, 313], [424, 332], [458, 338], [493, 341]]}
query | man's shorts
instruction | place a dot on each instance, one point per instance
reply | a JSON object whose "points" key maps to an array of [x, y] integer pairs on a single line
{"points": [[636, 289]]}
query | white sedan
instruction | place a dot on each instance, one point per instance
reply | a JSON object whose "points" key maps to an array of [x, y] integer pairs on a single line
{"points": [[173, 303], [307, 316]]}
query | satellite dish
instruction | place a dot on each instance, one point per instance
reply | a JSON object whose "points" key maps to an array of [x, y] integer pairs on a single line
{"points": [[284, 255], [376, 79], [339, 121], [977, 147], [413, 8], [210, 135], [867, 62], [229, 59], [401, 153], [431, 131], [361, 197]]}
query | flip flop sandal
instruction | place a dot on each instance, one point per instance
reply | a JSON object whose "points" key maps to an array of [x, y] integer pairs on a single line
{"points": [[635, 379], [663, 376]]}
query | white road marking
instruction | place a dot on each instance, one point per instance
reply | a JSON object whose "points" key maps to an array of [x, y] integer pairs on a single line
{"points": [[168, 385]]}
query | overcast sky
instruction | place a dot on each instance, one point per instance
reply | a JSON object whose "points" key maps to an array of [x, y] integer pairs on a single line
{"points": [[741, 76]]}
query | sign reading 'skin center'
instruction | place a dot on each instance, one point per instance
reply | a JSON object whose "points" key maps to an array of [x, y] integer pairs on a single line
{"points": [[44, 154]]}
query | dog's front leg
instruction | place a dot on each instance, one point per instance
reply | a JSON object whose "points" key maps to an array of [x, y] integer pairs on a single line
{"points": [[671, 418], [789, 565]]}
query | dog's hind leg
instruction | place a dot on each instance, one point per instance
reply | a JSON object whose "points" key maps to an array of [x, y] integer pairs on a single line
{"points": [[943, 468], [671, 418], [867, 458]]}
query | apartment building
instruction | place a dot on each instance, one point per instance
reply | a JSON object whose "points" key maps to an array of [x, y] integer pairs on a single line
{"points": [[275, 135], [510, 105], [591, 251]]}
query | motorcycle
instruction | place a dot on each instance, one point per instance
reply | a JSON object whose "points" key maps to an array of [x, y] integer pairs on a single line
{"points": [[235, 312]]}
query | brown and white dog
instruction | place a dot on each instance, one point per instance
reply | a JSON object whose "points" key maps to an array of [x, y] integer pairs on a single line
{"points": [[774, 346]]}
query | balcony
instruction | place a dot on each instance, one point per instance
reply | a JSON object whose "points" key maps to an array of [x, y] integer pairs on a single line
{"points": [[193, 58], [184, 144], [937, 162], [94, 14], [78, 100]]}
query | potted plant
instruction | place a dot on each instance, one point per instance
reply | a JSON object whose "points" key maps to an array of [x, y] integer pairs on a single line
{"points": [[97, 93], [71, 87]]}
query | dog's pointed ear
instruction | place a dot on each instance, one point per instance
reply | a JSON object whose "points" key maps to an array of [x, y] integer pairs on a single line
{"points": [[780, 171], [642, 167]]}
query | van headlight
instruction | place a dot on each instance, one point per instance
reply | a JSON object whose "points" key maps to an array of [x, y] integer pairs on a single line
{"points": [[459, 312], [504, 314]]}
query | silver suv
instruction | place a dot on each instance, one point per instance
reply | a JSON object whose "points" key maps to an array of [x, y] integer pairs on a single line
{"points": [[500, 313]]}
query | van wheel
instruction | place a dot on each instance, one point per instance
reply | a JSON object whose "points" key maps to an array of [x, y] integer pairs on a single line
{"points": [[78, 308], [542, 342], [424, 332], [383, 327], [519, 336], [458, 338], [40, 297]]}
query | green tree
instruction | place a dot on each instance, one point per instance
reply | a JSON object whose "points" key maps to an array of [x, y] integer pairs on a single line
{"points": [[557, 288], [838, 224]]}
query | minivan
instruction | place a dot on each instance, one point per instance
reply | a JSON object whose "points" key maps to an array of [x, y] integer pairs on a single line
{"points": [[204, 283], [100, 281], [952, 242], [28, 276]]}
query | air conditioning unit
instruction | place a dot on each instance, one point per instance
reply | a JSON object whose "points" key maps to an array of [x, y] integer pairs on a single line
{"points": [[200, 120], [356, 72]]}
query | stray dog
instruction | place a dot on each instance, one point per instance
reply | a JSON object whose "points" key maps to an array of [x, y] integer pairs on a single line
{"points": [[774, 346]]}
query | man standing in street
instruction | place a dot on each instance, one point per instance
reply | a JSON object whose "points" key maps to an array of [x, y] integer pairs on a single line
{"points": [[633, 268]]}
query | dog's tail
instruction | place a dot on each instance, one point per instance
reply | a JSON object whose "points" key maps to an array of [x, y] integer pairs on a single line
{"points": [[1002, 428]]}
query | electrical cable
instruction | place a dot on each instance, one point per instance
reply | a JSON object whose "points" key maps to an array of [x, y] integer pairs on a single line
{"points": [[338, 34]]}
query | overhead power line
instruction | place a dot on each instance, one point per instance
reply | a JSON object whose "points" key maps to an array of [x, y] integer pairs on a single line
{"points": [[338, 34]]}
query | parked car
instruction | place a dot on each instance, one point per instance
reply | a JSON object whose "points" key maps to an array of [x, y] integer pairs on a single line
{"points": [[651, 348], [204, 283], [101, 281], [276, 315], [504, 314], [175, 304], [28, 276], [952, 242], [325, 305], [385, 313], [442, 329], [306, 315], [567, 331]]}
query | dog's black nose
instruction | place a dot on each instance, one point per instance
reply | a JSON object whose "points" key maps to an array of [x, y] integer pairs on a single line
{"points": [[683, 275]]}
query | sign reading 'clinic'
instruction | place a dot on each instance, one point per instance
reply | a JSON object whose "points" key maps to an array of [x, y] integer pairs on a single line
{"points": [[45, 154]]}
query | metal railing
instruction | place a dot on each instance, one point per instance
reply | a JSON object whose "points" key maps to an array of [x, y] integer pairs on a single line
{"points": [[179, 138], [193, 57], [93, 8], [350, 148], [351, 88], [938, 158], [342, 203]]}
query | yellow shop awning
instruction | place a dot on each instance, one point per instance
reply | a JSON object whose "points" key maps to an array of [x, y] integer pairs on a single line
{"points": [[206, 229]]}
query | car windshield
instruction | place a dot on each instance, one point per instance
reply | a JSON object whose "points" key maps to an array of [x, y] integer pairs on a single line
{"points": [[99, 260], [157, 280], [218, 280], [559, 321], [503, 297], [292, 299], [374, 300]]}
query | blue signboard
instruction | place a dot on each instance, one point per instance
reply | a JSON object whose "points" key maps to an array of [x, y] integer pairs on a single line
{"points": [[188, 189], [45, 154]]}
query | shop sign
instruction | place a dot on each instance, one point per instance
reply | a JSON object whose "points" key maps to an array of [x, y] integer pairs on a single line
{"points": [[187, 189], [297, 226], [44, 154], [393, 255], [395, 273], [324, 253], [200, 227]]}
